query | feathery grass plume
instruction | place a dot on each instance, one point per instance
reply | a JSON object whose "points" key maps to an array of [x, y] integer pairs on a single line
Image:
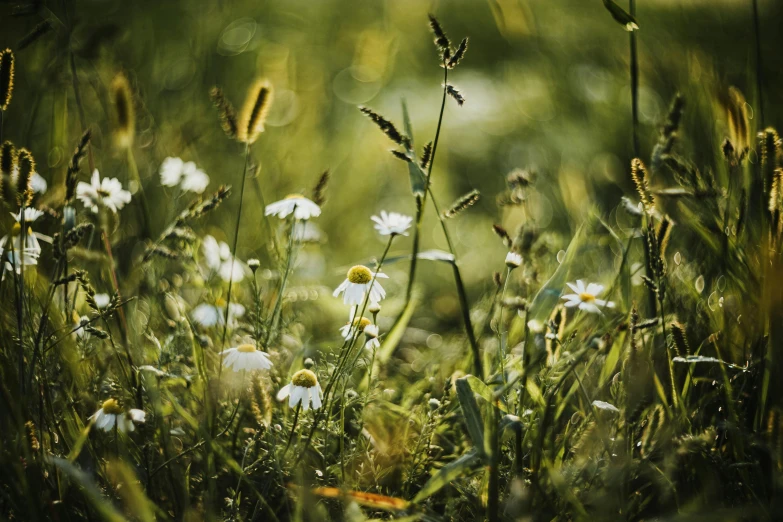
{"points": [[454, 93], [123, 108], [656, 421], [386, 126], [639, 175], [261, 402], [6, 78], [37, 32], [228, 117], [662, 236], [26, 166], [458, 54], [254, 111], [319, 191], [71, 176], [463, 203], [426, 156], [441, 40], [680, 339], [738, 119]]}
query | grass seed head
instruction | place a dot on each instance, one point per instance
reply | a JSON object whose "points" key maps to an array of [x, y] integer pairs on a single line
{"points": [[463, 203], [228, 117], [123, 108], [254, 111], [26, 166], [6, 78], [441, 40]]}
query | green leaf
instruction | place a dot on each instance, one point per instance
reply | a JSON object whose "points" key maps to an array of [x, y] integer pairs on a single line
{"points": [[484, 391], [621, 16], [471, 412], [90, 489], [394, 336], [417, 176], [448, 474], [127, 484]]}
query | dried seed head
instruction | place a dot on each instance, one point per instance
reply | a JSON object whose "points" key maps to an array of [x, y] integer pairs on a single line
{"points": [[74, 165], [26, 166], [38, 31], [386, 126], [426, 156], [228, 118], [6, 78], [680, 339], [319, 192], [123, 108], [502, 234], [639, 175], [254, 112], [458, 54], [454, 93], [441, 40], [7, 167], [465, 202]]}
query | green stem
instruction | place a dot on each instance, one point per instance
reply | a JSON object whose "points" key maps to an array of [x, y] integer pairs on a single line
{"points": [[279, 300], [634, 84]]}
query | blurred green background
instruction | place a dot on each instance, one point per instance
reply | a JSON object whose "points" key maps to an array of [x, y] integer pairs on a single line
{"points": [[546, 83]]}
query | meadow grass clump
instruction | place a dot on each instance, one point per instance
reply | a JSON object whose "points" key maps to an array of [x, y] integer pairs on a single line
{"points": [[194, 361]]}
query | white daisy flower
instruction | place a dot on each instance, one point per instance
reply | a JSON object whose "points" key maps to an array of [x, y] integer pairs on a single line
{"points": [[513, 260], [302, 207], [106, 192], [111, 414], [190, 178], [23, 248], [586, 297], [218, 258], [350, 328], [392, 223], [102, 300], [358, 282], [245, 357], [207, 315], [303, 389]]}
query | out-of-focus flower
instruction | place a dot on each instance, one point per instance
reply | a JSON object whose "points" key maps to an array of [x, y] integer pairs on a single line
{"points": [[245, 357], [392, 223], [218, 259], [302, 207], [513, 260], [207, 315], [106, 192], [190, 178]]}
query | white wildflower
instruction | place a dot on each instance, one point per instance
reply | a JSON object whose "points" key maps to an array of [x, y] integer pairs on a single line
{"points": [[586, 297], [106, 192], [302, 207], [392, 223], [303, 389]]}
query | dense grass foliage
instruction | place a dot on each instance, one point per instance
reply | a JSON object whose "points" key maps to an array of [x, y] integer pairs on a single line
{"points": [[338, 261]]}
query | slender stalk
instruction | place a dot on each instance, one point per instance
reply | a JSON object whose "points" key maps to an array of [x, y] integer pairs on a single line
{"points": [[234, 249], [493, 494], [293, 427], [423, 203], [759, 81], [501, 349], [274, 319], [634, 83]]}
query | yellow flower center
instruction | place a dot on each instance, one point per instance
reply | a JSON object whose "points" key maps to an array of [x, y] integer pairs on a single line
{"points": [[294, 196], [111, 406], [586, 298], [16, 229], [220, 302], [359, 275], [304, 378], [362, 323], [246, 348]]}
